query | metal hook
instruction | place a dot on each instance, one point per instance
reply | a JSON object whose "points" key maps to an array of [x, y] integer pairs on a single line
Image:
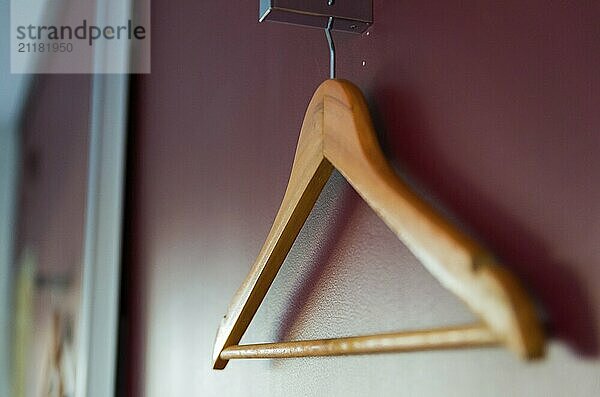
{"points": [[331, 48]]}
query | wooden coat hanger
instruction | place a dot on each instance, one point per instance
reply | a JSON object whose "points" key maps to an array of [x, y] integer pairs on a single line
{"points": [[337, 133]]}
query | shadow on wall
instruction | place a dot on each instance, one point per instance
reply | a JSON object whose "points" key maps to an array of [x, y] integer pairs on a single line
{"points": [[401, 124], [322, 263]]}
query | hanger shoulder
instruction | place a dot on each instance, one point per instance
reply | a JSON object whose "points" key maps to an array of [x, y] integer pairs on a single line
{"points": [[310, 172], [351, 145], [460, 264]]}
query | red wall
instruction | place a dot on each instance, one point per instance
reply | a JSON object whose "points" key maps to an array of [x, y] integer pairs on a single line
{"points": [[491, 108]]}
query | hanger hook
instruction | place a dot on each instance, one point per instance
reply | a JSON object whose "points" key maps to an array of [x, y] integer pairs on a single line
{"points": [[331, 48]]}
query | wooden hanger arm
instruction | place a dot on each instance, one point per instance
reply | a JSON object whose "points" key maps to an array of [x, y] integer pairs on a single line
{"points": [[460, 264], [350, 144], [310, 172]]}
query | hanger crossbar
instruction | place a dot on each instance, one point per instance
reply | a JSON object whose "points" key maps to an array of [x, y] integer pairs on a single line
{"points": [[476, 335]]}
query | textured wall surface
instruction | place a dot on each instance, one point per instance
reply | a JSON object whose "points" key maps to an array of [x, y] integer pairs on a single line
{"points": [[491, 108]]}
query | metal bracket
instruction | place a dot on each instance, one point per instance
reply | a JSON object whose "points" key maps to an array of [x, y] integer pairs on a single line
{"points": [[348, 15]]}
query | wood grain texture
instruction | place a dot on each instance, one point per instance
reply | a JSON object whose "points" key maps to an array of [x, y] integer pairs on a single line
{"points": [[337, 132]]}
